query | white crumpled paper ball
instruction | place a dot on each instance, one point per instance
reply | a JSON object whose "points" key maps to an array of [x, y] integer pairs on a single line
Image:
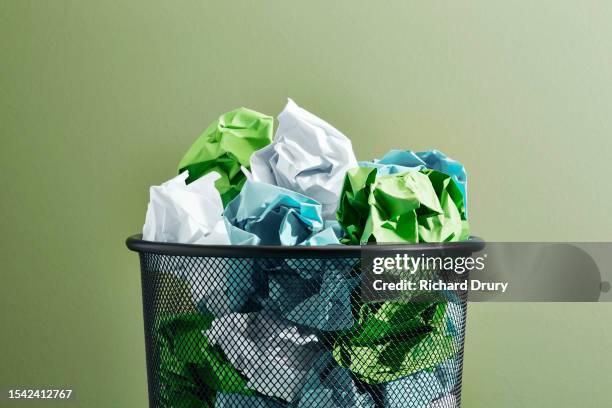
{"points": [[308, 155], [186, 213]]}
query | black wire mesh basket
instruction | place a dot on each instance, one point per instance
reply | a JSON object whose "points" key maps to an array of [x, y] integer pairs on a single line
{"points": [[274, 327]]}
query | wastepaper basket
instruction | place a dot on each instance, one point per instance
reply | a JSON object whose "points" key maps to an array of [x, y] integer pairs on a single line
{"points": [[273, 327]]}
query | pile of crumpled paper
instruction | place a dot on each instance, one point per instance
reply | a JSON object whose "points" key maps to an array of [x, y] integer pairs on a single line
{"points": [[305, 339]]}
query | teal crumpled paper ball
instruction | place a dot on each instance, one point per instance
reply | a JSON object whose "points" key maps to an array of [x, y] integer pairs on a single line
{"points": [[263, 214]]}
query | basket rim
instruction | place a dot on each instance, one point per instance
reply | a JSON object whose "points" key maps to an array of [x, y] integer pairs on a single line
{"points": [[137, 244]]}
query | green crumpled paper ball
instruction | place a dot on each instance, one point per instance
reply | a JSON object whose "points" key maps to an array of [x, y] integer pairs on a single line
{"points": [[409, 207], [190, 370], [393, 340], [226, 145]]}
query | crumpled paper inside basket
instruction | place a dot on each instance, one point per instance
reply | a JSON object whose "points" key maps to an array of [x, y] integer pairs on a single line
{"points": [[395, 339], [274, 355], [190, 370], [225, 146], [225, 285], [423, 389], [448, 401], [330, 385], [323, 304], [308, 155]]}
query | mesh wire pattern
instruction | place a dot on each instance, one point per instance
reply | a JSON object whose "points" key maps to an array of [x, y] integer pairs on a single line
{"points": [[232, 332]]}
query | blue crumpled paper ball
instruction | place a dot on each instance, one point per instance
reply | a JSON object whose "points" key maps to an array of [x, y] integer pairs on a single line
{"points": [[263, 214], [331, 386], [318, 304]]}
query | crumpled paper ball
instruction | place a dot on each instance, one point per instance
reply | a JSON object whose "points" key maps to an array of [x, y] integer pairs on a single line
{"points": [[263, 214], [408, 207], [424, 389], [331, 386], [448, 373], [190, 370], [186, 213], [225, 146], [392, 340], [415, 391], [273, 354], [221, 288], [318, 303], [308, 155], [399, 161]]}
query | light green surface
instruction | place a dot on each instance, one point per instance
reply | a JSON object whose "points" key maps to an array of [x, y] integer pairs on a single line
{"points": [[98, 101]]}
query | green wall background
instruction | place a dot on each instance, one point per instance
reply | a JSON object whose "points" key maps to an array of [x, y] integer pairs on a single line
{"points": [[99, 100]]}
